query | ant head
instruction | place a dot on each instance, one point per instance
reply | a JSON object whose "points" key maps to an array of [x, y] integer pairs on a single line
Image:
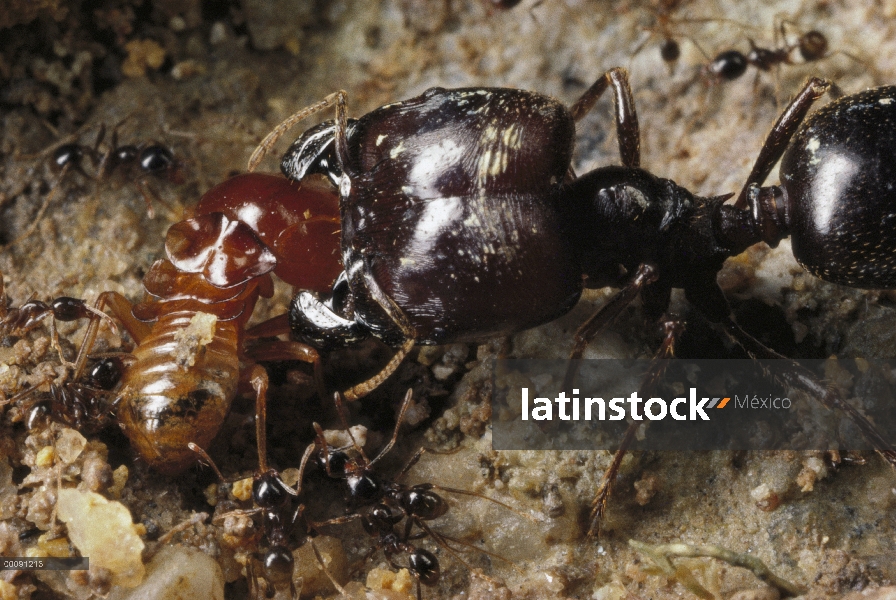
{"points": [[670, 51], [420, 501], [278, 565], [39, 414], [362, 489], [336, 463], [813, 46], [269, 491], [424, 566], [156, 159], [68, 309], [67, 154], [380, 520], [105, 374]]}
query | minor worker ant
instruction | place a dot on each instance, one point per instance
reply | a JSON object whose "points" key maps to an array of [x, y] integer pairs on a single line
{"points": [[496, 219], [274, 500], [664, 27], [84, 404], [382, 503], [191, 331], [137, 163], [78, 402], [811, 45]]}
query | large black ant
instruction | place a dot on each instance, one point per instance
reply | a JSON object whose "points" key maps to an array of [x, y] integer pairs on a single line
{"points": [[467, 194], [381, 504]]}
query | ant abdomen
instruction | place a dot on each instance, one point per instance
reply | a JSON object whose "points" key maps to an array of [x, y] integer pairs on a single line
{"points": [[838, 176]]}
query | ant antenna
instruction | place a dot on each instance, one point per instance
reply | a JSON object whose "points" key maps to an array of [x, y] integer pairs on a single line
{"points": [[208, 459]]}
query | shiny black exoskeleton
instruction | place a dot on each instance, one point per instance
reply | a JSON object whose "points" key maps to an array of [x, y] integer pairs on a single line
{"points": [[459, 221], [438, 193], [85, 405], [731, 64], [840, 182], [381, 504], [451, 195]]}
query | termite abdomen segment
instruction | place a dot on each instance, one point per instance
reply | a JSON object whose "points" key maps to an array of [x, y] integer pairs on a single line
{"points": [[179, 390]]}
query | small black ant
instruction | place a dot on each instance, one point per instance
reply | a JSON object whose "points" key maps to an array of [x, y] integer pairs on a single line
{"points": [[80, 402], [381, 504], [274, 500], [139, 162], [732, 64], [664, 27], [135, 162], [85, 404]]}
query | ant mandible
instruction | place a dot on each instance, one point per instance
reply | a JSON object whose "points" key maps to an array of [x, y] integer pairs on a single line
{"points": [[461, 220]]}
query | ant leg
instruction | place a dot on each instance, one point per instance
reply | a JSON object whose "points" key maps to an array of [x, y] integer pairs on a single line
{"points": [[258, 377], [657, 368], [414, 460], [627, 131], [645, 275], [800, 377], [323, 566], [278, 350], [120, 307], [270, 139], [779, 137], [404, 408]]}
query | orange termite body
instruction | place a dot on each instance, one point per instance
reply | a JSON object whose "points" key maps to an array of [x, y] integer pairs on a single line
{"points": [[191, 328]]}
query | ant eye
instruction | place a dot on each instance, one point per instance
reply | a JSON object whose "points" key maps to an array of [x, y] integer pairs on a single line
{"points": [[268, 490], [156, 158]]}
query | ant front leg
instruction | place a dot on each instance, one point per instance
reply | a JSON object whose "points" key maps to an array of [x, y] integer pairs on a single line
{"points": [[120, 308], [627, 130], [285, 350], [645, 275], [779, 137], [658, 367]]}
